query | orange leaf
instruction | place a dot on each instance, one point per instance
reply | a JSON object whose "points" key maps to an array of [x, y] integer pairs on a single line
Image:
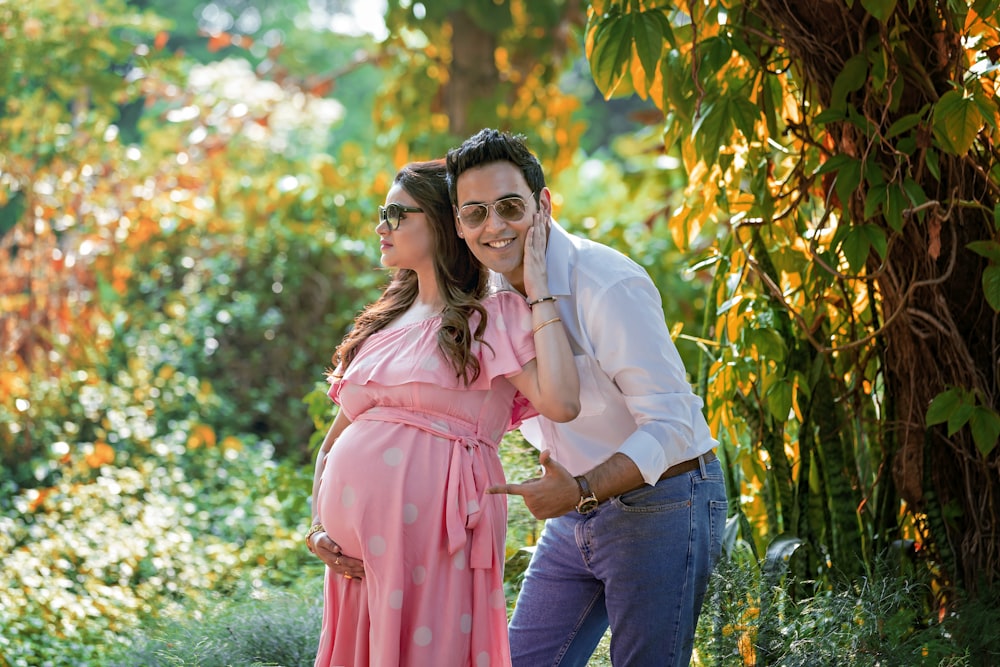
{"points": [[38, 500], [103, 453], [322, 87], [934, 240], [161, 40], [219, 41]]}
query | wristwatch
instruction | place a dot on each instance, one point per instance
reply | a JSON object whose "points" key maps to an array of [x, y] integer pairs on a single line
{"points": [[588, 499]]}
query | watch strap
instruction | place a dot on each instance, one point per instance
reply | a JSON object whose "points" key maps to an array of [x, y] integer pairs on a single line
{"points": [[588, 499]]}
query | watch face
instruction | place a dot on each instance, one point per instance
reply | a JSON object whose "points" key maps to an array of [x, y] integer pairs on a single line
{"points": [[587, 505]]}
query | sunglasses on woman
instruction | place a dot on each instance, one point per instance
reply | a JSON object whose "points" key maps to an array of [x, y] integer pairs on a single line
{"points": [[393, 213], [510, 209]]}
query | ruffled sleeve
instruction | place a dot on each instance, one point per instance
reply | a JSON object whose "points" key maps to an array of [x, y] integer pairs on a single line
{"points": [[508, 343], [511, 346], [410, 354], [336, 381]]}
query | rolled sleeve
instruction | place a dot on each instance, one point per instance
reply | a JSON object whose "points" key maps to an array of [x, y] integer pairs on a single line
{"points": [[634, 349]]}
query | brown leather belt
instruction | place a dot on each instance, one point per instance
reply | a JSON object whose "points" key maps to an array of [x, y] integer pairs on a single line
{"points": [[689, 465]]}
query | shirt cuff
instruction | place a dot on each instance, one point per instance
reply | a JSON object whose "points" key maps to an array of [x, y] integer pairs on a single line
{"points": [[647, 454]]}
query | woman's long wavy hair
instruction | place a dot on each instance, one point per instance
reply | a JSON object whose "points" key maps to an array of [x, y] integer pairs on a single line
{"points": [[462, 279]]}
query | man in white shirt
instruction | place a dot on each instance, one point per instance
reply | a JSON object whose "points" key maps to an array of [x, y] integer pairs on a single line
{"points": [[632, 489]]}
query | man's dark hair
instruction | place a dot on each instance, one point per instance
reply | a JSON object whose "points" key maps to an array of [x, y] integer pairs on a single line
{"points": [[488, 146]]}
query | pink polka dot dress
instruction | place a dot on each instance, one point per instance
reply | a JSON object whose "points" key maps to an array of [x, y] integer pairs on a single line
{"points": [[403, 488]]}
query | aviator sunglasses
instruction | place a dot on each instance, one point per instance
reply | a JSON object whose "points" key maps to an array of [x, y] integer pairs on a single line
{"points": [[393, 213], [510, 209]]}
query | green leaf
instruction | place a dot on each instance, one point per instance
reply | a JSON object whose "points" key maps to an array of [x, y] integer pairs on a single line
{"points": [[851, 78], [942, 407], [848, 175], [960, 417], [957, 121], [991, 286], [988, 249], [830, 116], [875, 199], [985, 425], [914, 192], [903, 124], [834, 163], [713, 129], [612, 52], [985, 7], [987, 106], [848, 179], [856, 247], [779, 551], [894, 206], [877, 238], [745, 115], [933, 164], [779, 400], [880, 9], [649, 42]]}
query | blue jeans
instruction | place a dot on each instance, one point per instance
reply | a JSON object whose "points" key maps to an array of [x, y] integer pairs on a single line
{"points": [[640, 562]]}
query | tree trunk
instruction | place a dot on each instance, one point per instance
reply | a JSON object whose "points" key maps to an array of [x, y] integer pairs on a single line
{"points": [[940, 330], [473, 73]]}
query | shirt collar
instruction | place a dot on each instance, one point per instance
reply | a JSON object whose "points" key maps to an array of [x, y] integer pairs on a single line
{"points": [[558, 253]]}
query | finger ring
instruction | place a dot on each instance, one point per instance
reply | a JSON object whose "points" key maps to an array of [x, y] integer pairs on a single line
{"points": [[347, 576], [337, 561]]}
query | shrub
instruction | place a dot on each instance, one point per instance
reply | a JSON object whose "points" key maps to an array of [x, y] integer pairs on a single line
{"points": [[885, 619], [88, 560], [253, 627]]}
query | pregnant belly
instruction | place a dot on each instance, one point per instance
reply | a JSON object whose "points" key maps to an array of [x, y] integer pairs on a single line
{"points": [[380, 473]]}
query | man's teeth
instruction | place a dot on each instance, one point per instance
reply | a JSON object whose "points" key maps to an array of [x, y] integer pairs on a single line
{"points": [[502, 243]]}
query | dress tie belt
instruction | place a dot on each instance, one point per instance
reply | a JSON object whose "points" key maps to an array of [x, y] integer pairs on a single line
{"points": [[465, 488]]}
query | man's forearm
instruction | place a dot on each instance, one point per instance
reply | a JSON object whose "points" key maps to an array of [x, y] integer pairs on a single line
{"points": [[617, 475]]}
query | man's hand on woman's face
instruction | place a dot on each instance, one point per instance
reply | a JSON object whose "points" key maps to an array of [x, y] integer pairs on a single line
{"points": [[535, 243]]}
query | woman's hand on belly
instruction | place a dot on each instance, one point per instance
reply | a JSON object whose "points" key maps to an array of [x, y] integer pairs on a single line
{"points": [[329, 552]]}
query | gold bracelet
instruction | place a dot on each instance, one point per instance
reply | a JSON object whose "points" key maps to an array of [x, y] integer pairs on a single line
{"points": [[535, 302], [315, 528], [545, 323]]}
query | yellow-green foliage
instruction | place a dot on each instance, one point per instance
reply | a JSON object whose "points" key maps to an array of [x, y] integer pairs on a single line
{"points": [[86, 562]]}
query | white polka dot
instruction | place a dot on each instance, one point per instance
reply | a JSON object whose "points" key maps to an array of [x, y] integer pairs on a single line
{"points": [[466, 623], [393, 456], [499, 323], [396, 600], [459, 560], [472, 506], [347, 496], [497, 599], [422, 636], [441, 426], [483, 659], [409, 513], [419, 574], [376, 545]]}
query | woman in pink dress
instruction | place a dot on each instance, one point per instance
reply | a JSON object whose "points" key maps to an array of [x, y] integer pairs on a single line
{"points": [[428, 381]]}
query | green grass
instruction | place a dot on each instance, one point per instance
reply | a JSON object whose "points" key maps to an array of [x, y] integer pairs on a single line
{"points": [[252, 627]]}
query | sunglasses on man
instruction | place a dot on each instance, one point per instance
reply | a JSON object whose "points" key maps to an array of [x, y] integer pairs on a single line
{"points": [[510, 208]]}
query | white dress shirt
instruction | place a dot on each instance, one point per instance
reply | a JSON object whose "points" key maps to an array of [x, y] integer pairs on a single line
{"points": [[634, 394]]}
